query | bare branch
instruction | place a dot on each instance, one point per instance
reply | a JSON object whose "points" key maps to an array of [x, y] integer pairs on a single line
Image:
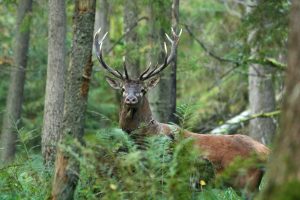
{"points": [[212, 54], [127, 32]]}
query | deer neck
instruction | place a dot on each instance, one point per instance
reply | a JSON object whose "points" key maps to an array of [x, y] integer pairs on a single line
{"points": [[132, 119]]}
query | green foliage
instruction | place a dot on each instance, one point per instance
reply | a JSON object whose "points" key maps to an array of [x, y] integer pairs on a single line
{"points": [[113, 167], [270, 32], [25, 179], [286, 190]]}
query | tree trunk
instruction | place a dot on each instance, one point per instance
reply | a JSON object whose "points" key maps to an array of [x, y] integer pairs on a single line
{"points": [[283, 178], [11, 119], [131, 39], [76, 93], [261, 98], [161, 98], [54, 97], [175, 22]]}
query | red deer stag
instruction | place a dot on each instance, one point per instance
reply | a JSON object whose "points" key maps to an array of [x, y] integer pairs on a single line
{"points": [[135, 116]]}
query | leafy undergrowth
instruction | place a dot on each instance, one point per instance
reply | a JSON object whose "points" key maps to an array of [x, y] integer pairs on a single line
{"points": [[113, 167], [25, 179]]}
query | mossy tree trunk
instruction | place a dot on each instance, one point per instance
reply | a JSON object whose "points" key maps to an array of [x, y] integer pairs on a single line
{"points": [[162, 97], [11, 119], [76, 93], [54, 97], [131, 12], [261, 100], [261, 95], [283, 175]]}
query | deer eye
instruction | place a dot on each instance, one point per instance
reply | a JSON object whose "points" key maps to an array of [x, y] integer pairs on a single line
{"points": [[123, 89], [143, 90]]}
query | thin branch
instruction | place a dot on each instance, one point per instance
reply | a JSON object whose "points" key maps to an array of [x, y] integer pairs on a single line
{"points": [[266, 61], [264, 115], [126, 33], [212, 54], [270, 62]]}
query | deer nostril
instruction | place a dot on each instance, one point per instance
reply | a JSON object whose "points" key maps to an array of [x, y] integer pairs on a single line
{"points": [[131, 100], [134, 100]]}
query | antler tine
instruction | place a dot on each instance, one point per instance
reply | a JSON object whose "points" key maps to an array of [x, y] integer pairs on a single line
{"points": [[168, 58], [125, 68], [154, 69], [145, 72], [98, 46]]}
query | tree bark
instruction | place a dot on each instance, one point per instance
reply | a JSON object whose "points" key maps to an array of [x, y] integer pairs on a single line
{"points": [[11, 119], [76, 93], [261, 97], [161, 98], [261, 100], [54, 97], [132, 61], [283, 176]]}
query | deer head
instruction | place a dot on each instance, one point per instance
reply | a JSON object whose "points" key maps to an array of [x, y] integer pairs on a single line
{"points": [[133, 91]]}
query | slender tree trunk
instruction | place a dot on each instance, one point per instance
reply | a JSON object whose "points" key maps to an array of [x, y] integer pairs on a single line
{"points": [[77, 87], [131, 12], [261, 98], [161, 98], [283, 177], [54, 98], [175, 22], [14, 100]]}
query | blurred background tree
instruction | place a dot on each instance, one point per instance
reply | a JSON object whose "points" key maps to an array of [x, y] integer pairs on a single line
{"points": [[14, 101], [283, 175]]}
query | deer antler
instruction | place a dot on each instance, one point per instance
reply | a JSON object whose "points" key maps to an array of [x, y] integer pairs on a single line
{"points": [[174, 41], [125, 68], [98, 45]]}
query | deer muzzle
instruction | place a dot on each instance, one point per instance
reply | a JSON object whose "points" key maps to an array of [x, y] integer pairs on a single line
{"points": [[131, 100]]}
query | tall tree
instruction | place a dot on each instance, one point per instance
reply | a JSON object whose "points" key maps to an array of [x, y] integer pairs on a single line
{"points": [[175, 23], [76, 93], [161, 98], [131, 12], [283, 176], [17, 79], [54, 98], [261, 96]]}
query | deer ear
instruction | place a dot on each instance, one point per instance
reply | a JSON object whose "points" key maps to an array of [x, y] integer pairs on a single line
{"points": [[153, 82], [116, 84]]}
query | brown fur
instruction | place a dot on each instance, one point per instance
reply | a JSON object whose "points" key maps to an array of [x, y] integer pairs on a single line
{"points": [[221, 150]]}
